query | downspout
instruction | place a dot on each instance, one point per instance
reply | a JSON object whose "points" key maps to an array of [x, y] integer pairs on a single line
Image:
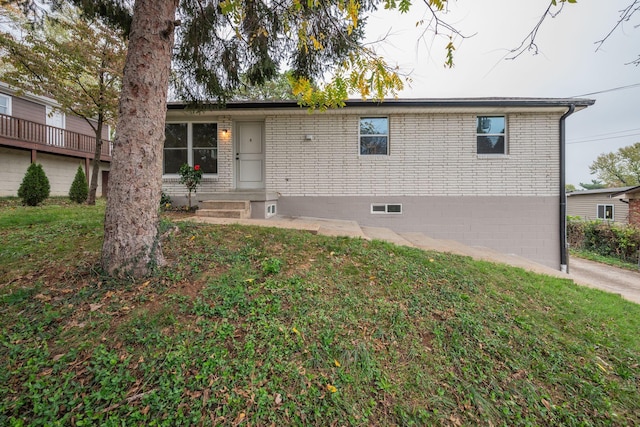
{"points": [[564, 256]]}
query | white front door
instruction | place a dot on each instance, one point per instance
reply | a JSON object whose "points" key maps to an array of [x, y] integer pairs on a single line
{"points": [[249, 156]]}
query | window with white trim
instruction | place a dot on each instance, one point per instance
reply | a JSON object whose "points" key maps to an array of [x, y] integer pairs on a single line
{"points": [[605, 212], [386, 208], [491, 135], [191, 143], [5, 104], [374, 136]]}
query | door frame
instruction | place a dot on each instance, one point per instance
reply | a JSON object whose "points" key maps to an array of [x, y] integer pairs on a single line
{"points": [[236, 151]]}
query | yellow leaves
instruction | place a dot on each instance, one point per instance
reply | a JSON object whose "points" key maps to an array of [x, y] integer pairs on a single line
{"points": [[192, 238], [316, 43], [336, 363], [450, 49], [295, 331], [332, 389]]}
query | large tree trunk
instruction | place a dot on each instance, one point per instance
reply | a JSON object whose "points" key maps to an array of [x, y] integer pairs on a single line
{"points": [[131, 239]]}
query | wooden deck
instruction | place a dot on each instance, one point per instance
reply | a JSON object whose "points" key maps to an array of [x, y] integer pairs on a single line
{"points": [[38, 137]]}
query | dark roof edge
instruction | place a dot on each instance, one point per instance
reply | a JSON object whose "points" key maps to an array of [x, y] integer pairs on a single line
{"points": [[434, 103], [628, 190], [613, 191]]}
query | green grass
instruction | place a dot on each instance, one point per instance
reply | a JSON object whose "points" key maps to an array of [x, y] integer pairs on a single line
{"points": [[260, 326]]}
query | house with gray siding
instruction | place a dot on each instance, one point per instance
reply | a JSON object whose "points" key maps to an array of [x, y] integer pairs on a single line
{"points": [[484, 171], [32, 130], [600, 204]]}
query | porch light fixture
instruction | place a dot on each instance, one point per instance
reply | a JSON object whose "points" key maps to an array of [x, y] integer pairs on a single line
{"points": [[225, 132]]}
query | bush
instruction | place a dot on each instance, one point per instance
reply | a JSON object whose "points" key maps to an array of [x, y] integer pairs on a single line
{"points": [[35, 186], [79, 188], [605, 238], [165, 201]]}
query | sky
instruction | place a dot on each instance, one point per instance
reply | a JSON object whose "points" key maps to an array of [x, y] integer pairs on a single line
{"points": [[566, 65]]}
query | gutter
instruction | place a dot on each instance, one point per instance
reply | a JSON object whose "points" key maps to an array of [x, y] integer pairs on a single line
{"points": [[564, 255]]}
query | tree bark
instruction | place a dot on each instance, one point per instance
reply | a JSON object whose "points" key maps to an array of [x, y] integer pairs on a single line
{"points": [[131, 239]]}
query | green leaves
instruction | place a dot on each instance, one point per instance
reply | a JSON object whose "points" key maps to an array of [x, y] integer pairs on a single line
{"points": [[77, 62]]}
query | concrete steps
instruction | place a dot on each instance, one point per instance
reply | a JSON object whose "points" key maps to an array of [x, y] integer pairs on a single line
{"points": [[238, 209]]}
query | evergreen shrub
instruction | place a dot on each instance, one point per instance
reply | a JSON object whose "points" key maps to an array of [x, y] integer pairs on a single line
{"points": [[79, 188], [35, 187]]}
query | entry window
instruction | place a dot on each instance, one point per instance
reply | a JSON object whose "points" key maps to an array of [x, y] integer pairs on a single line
{"points": [[5, 104], [374, 136], [191, 143], [605, 212], [491, 135]]}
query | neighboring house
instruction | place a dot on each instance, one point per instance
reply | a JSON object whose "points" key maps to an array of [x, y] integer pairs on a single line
{"points": [[631, 195], [485, 172], [600, 204], [32, 131]]}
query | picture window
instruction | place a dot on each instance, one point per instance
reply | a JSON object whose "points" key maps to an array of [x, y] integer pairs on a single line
{"points": [[191, 143]]}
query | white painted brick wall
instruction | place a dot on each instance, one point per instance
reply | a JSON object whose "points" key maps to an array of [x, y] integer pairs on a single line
{"points": [[430, 154]]}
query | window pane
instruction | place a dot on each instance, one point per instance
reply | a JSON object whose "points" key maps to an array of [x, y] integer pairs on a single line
{"points": [[491, 125], [373, 145], [207, 159], [374, 126], [4, 104], [173, 159], [175, 135], [609, 212], [205, 135], [491, 145]]}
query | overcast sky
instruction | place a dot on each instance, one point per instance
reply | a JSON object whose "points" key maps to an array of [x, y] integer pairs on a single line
{"points": [[567, 64]]}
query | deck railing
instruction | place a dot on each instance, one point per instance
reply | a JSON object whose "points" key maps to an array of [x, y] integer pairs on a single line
{"points": [[50, 136]]}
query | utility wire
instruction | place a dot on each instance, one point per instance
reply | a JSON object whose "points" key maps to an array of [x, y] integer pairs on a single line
{"points": [[608, 90], [602, 139], [603, 134]]}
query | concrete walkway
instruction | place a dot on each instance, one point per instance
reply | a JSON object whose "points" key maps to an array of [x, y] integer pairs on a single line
{"points": [[596, 275]]}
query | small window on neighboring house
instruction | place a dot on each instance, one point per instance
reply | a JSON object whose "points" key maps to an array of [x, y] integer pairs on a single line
{"points": [[491, 135], [605, 212], [374, 136], [5, 104]]}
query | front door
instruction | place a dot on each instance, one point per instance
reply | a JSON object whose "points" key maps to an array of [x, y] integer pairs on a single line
{"points": [[249, 156]]}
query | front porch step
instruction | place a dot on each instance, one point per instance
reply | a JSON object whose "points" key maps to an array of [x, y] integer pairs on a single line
{"points": [[225, 209]]}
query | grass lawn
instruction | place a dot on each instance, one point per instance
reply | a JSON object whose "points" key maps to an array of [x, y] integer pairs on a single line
{"points": [[258, 327]]}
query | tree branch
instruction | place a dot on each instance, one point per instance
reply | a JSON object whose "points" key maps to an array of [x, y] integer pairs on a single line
{"points": [[625, 16], [529, 42]]}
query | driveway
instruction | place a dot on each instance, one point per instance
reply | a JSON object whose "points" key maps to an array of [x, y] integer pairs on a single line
{"points": [[607, 278]]}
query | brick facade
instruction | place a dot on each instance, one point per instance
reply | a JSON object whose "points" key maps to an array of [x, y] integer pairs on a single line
{"points": [[634, 212], [430, 154]]}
